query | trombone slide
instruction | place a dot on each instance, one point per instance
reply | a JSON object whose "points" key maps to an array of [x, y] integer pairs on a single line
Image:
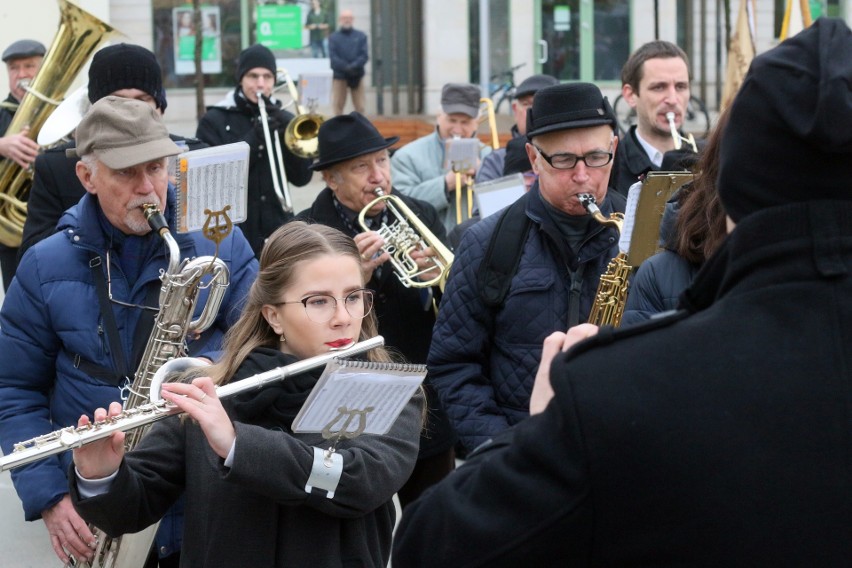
{"points": [[276, 161]]}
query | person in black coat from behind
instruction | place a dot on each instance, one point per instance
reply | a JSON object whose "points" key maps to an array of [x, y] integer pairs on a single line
{"points": [[354, 161], [717, 436], [123, 70], [236, 118]]}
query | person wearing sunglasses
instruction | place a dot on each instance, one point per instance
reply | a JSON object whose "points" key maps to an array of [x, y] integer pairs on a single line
{"points": [[247, 476], [531, 270]]}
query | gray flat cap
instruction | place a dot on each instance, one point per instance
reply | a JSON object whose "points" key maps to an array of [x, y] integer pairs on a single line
{"points": [[23, 48]]}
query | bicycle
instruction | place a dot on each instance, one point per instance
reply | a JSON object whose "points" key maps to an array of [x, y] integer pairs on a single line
{"points": [[502, 88], [696, 119]]}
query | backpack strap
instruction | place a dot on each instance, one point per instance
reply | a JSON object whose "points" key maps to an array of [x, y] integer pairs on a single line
{"points": [[503, 255]]}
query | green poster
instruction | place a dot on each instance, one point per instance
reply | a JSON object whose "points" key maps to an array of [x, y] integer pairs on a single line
{"points": [[279, 27]]}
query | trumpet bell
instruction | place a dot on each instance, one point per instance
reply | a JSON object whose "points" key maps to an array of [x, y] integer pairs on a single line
{"points": [[301, 136]]}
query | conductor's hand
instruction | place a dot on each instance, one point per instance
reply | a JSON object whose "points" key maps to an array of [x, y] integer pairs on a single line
{"points": [[19, 148], [554, 343], [369, 244], [69, 533], [199, 400], [101, 458]]}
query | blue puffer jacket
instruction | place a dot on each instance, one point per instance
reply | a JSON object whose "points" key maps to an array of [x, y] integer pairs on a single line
{"points": [[482, 363], [51, 313]]}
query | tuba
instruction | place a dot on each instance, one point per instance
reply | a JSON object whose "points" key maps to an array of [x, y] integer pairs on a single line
{"points": [[181, 284], [405, 234], [79, 35], [611, 295]]}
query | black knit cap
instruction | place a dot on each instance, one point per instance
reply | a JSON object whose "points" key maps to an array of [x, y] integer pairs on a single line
{"points": [[517, 160], [568, 106], [126, 66], [787, 141], [348, 136], [253, 57]]}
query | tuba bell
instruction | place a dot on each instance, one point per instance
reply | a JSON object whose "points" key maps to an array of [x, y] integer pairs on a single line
{"points": [[405, 234], [79, 35]]}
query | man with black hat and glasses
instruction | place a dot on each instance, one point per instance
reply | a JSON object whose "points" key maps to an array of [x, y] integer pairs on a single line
{"points": [[718, 435], [492, 164], [533, 269], [236, 118], [354, 162], [122, 70], [77, 316], [23, 60]]}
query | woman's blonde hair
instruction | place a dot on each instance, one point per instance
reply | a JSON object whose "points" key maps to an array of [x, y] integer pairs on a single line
{"points": [[284, 250]]}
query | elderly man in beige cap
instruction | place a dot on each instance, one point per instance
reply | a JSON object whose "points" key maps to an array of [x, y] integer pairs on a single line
{"points": [[421, 169], [78, 314]]}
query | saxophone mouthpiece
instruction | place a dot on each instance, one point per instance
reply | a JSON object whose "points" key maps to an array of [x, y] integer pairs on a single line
{"points": [[155, 219]]}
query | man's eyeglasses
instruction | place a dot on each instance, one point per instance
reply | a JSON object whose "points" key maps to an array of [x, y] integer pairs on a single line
{"points": [[320, 308], [595, 159]]}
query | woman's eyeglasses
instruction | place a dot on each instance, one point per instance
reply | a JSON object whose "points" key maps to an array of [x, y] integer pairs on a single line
{"points": [[320, 308]]}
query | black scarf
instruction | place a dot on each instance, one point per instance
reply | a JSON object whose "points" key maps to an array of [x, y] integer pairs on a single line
{"points": [[275, 405]]}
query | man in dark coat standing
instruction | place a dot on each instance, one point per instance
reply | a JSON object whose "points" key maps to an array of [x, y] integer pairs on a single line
{"points": [[354, 161], [236, 118], [347, 49], [122, 70], [719, 436], [23, 59]]}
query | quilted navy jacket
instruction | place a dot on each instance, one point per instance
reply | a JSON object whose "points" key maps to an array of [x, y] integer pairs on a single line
{"points": [[51, 313], [483, 363]]}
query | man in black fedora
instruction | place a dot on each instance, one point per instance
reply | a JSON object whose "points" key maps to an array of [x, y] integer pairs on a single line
{"points": [[718, 435], [354, 162], [529, 271]]}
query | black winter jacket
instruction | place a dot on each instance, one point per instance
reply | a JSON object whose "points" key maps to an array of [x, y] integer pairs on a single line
{"points": [[234, 119]]}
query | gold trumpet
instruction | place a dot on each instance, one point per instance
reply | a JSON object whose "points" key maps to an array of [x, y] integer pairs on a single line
{"points": [[405, 234], [490, 116], [676, 136]]}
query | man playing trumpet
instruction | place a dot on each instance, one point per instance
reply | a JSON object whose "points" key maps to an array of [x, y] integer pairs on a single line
{"points": [[355, 162]]}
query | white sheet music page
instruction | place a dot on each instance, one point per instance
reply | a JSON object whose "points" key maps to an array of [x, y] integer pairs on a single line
{"points": [[211, 179], [496, 194], [629, 216], [377, 391]]}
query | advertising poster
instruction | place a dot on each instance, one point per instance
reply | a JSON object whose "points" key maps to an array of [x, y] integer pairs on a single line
{"points": [[211, 40]]}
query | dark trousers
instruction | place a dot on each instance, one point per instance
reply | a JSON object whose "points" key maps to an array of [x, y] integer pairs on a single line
{"points": [[8, 264], [427, 472]]}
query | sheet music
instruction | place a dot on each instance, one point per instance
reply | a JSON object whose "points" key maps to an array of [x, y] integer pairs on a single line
{"points": [[211, 179], [497, 194], [384, 388], [629, 216]]}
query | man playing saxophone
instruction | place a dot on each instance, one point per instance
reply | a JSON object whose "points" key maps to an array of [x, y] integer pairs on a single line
{"points": [[486, 345], [76, 318], [354, 162]]}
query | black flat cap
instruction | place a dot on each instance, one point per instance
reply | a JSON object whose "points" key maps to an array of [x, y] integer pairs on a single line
{"points": [[23, 48]]}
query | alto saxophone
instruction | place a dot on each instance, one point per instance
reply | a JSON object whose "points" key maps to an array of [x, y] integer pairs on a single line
{"points": [[181, 284], [611, 295]]}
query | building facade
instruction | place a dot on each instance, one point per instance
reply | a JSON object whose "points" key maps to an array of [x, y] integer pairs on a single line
{"points": [[417, 46]]}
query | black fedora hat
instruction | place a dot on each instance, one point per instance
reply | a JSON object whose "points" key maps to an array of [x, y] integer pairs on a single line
{"points": [[567, 106], [348, 136]]}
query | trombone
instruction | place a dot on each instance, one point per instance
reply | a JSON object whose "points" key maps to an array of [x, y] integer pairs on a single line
{"points": [[276, 158], [676, 136], [491, 117]]}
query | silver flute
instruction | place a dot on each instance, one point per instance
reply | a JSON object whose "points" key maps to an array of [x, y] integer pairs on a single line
{"points": [[76, 436]]}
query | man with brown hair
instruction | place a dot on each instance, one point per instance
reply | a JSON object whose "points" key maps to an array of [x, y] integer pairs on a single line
{"points": [[654, 82]]}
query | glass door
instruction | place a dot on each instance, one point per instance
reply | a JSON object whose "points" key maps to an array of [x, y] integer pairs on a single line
{"points": [[584, 40]]}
